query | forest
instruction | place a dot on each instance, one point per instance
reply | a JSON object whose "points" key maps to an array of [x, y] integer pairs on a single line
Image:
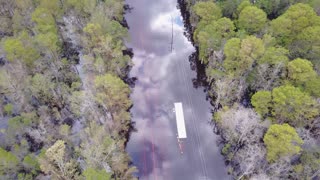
{"points": [[262, 64], [64, 87], [64, 99]]}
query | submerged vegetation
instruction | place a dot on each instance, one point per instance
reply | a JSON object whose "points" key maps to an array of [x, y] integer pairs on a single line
{"points": [[262, 62], [63, 102]]}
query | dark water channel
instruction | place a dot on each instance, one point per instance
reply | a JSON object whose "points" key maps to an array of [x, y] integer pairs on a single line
{"points": [[165, 77]]}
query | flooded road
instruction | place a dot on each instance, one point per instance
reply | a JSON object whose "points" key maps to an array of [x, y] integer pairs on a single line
{"points": [[164, 76]]}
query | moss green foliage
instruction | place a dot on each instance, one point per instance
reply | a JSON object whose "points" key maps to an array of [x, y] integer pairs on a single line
{"points": [[274, 56], [213, 36], [8, 163], [307, 45], [228, 7], [105, 44], [281, 141], [112, 93], [18, 122], [252, 19], [45, 20], [21, 49], [92, 174], [243, 5], [17, 127], [94, 31], [285, 104], [313, 87], [84, 7], [241, 54], [301, 71], [42, 87], [8, 109], [251, 48], [225, 149], [262, 102], [48, 40], [64, 130], [271, 55], [14, 49], [31, 164], [202, 9], [52, 6], [293, 22], [274, 8], [76, 100], [231, 51], [288, 103], [44, 91]]}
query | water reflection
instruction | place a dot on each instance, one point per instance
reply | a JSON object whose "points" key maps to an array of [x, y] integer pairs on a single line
{"points": [[165, 77]]}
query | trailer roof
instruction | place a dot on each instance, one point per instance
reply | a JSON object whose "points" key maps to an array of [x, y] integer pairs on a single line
{"points": [[181, 127]]}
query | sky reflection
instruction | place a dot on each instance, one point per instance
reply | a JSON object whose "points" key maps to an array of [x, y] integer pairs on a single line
{"points": [[165, 77]]}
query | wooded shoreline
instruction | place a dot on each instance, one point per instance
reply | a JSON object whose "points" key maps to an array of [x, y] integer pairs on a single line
{"points": [[245, 126], [64, 103]]}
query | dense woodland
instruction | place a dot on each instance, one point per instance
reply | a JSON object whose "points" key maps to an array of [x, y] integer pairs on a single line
{"points": [[262, 62], [63, 102]]}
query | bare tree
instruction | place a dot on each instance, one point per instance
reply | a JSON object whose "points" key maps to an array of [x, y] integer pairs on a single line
{"points": [[242, 125], [228, 91], [243, 129], [267, 77], [7, 7], [251, 158], [279, 169], [261, 176]]}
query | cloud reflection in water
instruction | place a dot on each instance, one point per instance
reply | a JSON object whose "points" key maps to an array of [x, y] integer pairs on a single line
{"points": [[165, 77]]}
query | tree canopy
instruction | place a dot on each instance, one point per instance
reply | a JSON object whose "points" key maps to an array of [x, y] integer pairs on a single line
{"points": [[214, 35], [21, 49], [52, 53], [307, 45], [272, 58], [288, 101], [202, 9], [8, 163], [252, 19], [281, 141], [313, 86], [262, 102], [241, 54], [287, 26], [112, 92], [285, 104], [301, 71], [92, 174]]}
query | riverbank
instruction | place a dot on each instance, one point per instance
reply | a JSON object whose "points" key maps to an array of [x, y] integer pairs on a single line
{"points": [[237, 78], [200, 68]]}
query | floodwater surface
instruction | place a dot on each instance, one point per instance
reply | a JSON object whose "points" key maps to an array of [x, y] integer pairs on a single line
{"points": [[165, 77]]}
